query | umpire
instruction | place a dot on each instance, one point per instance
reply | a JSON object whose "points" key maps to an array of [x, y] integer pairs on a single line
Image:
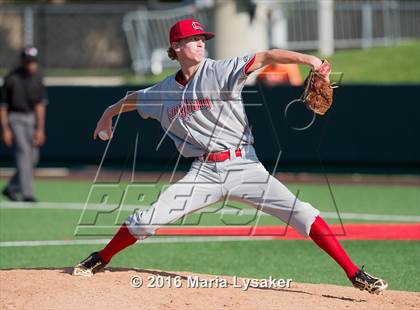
{"points": [[22, 115]]}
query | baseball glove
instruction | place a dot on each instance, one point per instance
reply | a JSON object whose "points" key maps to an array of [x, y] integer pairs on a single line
{"points": [[318, 92]]}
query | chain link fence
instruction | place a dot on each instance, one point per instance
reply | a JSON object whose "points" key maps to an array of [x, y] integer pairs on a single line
{"points": [[67, 36]]}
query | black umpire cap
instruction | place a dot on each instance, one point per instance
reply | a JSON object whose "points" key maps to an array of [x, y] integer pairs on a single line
{"points": [[29, 54]]}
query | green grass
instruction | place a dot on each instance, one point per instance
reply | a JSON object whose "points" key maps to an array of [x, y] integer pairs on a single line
{"points": [[378, 65], [300, 260], [132, 79], [48, 224], [377, 199], [56, 224], [396, 261]]}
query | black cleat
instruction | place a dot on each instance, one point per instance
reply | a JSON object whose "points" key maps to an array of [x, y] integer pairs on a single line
{"points": [[10, 195], [30, 199], [89, 266], [366, 282]]}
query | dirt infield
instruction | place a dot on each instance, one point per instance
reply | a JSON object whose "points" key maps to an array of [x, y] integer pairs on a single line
{"points": [[58, 289]]}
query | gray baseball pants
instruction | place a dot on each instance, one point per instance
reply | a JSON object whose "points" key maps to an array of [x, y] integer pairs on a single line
{"points": [[26, 155], [208, 182]]}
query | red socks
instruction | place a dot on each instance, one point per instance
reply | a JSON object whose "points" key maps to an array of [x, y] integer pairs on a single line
{"points": [[322, 235], [121, 240]]}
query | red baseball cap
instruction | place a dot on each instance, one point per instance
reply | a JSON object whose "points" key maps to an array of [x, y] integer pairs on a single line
{"points": [[186, 28]]}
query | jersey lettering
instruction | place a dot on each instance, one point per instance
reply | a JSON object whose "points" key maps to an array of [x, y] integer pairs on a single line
{"points": [[188, 107]]}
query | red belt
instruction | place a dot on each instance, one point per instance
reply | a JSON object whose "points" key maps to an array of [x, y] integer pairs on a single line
{"points": [[220, 156]]}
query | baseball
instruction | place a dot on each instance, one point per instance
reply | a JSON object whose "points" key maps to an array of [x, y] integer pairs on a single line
{"points": [[103, 135]]}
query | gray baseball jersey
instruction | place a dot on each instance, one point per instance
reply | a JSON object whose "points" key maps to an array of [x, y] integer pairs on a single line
{"points": [[207, 114]]}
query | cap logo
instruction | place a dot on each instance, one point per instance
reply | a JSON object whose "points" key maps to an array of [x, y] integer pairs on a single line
{"points": [[31, 51], [197, 26]]}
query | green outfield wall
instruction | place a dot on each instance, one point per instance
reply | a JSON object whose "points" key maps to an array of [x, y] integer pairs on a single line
{"points": [[367, 125]]}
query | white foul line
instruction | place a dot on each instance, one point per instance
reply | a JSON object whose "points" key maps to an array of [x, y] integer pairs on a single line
{"points": [[33, 243], [226, 211]]}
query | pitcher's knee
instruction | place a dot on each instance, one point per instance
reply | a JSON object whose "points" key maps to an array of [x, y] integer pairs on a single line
{"points": [[304, 214], [140, 224]]}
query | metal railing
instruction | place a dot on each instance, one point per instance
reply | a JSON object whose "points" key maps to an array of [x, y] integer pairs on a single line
{"points": [[293, 25], [147, 36], [356, 24], [115, 36]]}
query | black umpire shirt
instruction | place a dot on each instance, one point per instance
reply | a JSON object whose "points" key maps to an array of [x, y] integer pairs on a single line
{"points": [[21, 91]]}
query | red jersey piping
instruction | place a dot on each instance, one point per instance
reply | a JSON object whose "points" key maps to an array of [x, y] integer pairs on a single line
{"points": [[248, 65]]}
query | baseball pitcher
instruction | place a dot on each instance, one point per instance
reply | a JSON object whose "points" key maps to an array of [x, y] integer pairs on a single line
{"points": [[200, 108]]}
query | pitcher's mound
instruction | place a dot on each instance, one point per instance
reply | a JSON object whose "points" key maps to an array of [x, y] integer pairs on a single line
{"points": [[112, 289]]}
